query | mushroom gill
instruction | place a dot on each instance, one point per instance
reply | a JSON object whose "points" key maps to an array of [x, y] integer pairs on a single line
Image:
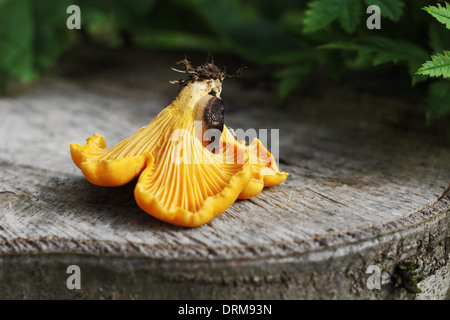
{"points": [[187, 175]]}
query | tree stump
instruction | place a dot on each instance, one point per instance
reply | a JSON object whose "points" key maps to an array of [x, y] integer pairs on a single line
{"points": [[367, 193]]}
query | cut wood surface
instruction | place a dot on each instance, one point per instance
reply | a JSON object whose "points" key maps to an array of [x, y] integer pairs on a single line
{"points": [[364, 188]]}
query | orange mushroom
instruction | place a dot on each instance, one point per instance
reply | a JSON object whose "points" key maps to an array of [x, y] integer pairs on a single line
{"points": [[187, 176]]}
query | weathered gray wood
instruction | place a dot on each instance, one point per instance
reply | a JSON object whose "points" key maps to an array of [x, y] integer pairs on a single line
{"points": [[361, 191]]}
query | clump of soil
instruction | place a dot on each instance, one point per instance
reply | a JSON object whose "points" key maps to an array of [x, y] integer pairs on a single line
{"points": [[206, 71]]}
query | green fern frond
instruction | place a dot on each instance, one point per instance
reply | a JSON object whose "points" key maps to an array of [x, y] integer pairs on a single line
{"points": [[320, 14], [391, 9], [350, 14], [438, 66], [442, 14]]}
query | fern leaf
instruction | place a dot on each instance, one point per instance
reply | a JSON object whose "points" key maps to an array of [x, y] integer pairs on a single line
{"points": [[391, 9], [438, 66], [442, 14], [350, 14], [382, 50], [320, 14]]}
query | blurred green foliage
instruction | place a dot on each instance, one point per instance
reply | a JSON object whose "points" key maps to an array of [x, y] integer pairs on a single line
{"points": [[296, 36]]}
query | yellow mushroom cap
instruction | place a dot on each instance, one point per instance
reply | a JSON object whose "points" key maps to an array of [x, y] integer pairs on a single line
{"points": [[263, 168], [180, 180], [103, 169]]}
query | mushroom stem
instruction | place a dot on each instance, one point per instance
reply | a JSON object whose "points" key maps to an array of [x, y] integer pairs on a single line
{"points": [[209, 112]]}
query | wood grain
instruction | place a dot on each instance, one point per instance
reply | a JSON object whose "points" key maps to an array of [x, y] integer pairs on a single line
{"points": [[363, 188]]}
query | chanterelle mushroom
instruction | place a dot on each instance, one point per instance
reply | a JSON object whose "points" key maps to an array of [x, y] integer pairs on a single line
{"points": [[191, 166]]}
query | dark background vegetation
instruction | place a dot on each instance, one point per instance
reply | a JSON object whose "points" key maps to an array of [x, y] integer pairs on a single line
{"points": [[295, 38]]}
